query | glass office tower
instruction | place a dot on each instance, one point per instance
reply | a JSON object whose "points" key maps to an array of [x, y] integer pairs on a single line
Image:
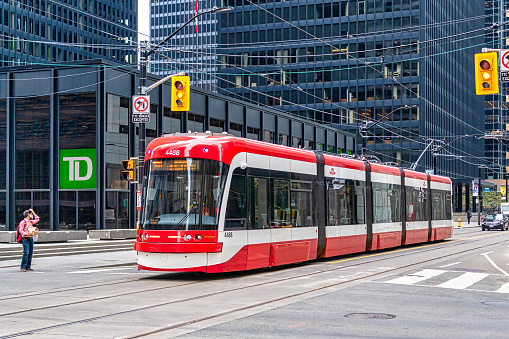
{"points": [[194, 49], [39, 31], [345, 63], [497, 106]]}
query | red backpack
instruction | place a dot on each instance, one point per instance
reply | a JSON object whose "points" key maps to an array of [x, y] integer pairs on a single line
{"points": [[19, 237]]}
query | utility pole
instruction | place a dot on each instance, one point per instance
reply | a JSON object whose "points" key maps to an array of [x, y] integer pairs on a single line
{"points": [[141, 132], [144, 55], [479, 197]]}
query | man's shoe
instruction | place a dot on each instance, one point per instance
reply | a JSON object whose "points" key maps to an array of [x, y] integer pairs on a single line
{"points": [[29, 269], [22, 270]]}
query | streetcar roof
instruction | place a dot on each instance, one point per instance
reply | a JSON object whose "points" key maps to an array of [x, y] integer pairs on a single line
{"points": [[224, 147], [220, 147]]}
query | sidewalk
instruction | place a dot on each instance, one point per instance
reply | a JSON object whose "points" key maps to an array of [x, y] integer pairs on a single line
{"points": [[466, 224], [14, 251]]}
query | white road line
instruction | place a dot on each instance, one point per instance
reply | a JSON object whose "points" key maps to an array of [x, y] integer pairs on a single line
{"points": [[454, 263], [100, 270], [416, 277], [504, 288], [463, 281], [493, 264]]}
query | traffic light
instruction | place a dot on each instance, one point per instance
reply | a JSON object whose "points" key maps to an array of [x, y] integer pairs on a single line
{"points": [[486, 73], [180, 93], [129, 166]]}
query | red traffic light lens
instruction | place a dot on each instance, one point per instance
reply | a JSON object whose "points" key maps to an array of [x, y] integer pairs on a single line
{"points": [[179, 85], [485, 64]]}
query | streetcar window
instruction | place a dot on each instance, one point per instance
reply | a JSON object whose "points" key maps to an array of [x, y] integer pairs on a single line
{"points": [[183, 194], [416, 204], [301, 204], [346, 202], [441, 205], [236, 207], [280, 193], [259, 203], [386, 202]]}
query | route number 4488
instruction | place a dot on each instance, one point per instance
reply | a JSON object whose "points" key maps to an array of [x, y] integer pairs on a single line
{"points": [[172, 152]]}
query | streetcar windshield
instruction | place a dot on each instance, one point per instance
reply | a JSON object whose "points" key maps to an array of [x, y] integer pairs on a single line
{"points": [[183, 194]]}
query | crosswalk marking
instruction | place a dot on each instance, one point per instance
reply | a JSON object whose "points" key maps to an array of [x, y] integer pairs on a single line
{"points": [[452, 280], [416, 277], [463, 281], [504, 288]]}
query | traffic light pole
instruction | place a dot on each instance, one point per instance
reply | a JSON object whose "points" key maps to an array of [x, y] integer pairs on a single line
{"points": [[144, 55], [141, 132], [479, 197]]}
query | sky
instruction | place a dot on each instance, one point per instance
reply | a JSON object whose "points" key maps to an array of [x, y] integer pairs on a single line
{"points": [[143, 19]]}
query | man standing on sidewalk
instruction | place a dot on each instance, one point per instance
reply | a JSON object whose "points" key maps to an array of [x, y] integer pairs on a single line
{"points": [[30, 218], [469, 215]]}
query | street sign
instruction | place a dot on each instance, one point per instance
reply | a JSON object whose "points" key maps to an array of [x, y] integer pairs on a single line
{"points": [[475, 188], [141, 108], [504, 66], [430, 171]]}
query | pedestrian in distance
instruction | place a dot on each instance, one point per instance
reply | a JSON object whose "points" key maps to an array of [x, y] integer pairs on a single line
{"points": [[469, 215], [27, 231]]}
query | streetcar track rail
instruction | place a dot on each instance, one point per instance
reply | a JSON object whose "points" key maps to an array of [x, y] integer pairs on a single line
{"points": [[401, 252]]}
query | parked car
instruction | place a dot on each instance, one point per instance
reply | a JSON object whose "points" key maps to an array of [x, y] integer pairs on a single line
{"points": [[495, 221]]}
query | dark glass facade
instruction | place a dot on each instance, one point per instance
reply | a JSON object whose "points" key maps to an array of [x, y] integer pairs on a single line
{"points": [[496, 107], [30, 28], [65, 134], [193, 49], [344, 63]]}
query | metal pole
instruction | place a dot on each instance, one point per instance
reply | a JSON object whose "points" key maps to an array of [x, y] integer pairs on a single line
{"points": [[479, 197], [506, 192], [141, 140], [434, 163]]}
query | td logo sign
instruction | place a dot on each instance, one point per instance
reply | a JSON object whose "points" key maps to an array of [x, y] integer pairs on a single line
{"points": [[77, 168]]}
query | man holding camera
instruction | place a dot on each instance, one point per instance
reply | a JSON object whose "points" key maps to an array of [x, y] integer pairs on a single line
{"points": [[27, 229]]}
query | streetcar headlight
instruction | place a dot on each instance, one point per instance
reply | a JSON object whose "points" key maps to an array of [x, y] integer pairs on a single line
{"points": [[146, 236], [198, 237], [187, 237]]}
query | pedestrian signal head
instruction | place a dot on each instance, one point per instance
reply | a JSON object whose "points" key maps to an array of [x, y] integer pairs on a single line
{"points": [[129, 167], [180, 93], [486, 73]]}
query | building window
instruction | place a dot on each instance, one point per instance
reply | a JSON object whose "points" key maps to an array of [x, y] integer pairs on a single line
{"points": [[253, 133], [216, 125], [235, 129], [171, 121], [268, 136], [117, 114]]}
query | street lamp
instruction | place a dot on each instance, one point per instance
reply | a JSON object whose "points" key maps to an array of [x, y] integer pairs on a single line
{"points": [[144, 55], [364, 128]]}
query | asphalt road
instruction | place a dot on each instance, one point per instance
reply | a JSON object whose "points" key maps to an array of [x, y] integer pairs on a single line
{"points": [[455, 289]]}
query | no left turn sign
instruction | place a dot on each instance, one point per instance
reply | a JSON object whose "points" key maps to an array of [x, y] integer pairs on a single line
{"points": [[141, 104]]}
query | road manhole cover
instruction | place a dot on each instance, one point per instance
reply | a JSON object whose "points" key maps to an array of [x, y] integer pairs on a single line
{"points": [[496, 303], [382, 316]]}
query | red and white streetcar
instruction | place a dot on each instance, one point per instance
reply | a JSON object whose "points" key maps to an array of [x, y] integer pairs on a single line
{"points": [[218, 203]]}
